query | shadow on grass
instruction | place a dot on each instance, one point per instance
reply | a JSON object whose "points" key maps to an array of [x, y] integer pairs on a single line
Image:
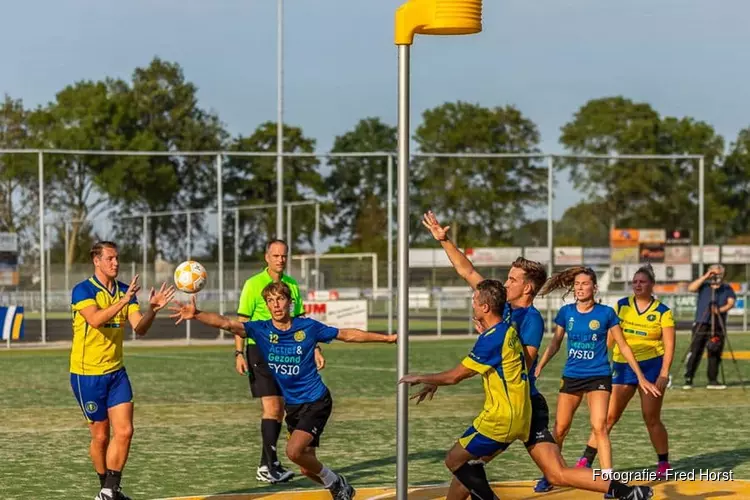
{"points": [[354, 473]]}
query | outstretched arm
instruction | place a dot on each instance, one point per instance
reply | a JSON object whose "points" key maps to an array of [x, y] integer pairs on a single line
{"points": [[96, 317], [141, 322], [356, 335], [184, 311], [449, 377], [460, 262]]}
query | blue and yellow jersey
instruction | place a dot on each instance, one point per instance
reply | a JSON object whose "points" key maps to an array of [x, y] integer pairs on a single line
{"points": [[498, 356], [587, 339], [642, 330], [97, 351]]}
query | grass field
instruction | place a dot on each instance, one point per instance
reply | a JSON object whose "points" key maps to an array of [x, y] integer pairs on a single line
{"points": [[197, 430]]}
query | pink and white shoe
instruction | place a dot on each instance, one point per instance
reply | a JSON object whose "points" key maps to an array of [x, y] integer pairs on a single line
{"points": [[583, 462], [661, 470]]}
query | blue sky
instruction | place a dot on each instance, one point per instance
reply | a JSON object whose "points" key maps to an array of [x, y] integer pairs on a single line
{"points": [[685, 57]]}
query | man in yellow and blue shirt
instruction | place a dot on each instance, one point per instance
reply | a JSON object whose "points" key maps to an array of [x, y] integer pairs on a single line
{"points": [[101, 308], [498, 357]]}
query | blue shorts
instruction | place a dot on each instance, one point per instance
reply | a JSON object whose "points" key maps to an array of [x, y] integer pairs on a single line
{"points": [[622, 374], [97, 393], [480, 445]]}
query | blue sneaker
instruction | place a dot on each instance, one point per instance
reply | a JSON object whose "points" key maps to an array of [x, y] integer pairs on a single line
{"points": [[542, 486]]}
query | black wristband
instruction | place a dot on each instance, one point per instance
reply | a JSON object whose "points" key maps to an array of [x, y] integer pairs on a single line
{"points": [[238, 353]]}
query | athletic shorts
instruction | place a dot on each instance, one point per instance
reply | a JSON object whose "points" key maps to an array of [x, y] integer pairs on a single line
{"points": [[569, 385], [622, 374], [310, 417], [539, 432], [480, 445], [262, 382], [97, 393]]}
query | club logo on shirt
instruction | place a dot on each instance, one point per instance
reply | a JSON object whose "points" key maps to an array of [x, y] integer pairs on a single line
{"points": [[570, 324], [651, 317], [91, 407], [299, 336], [594, 324]]}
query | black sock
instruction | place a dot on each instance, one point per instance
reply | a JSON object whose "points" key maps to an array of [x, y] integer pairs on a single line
{"points": [[269, 430], [102, 477], [474, 479], [590, 454], [112, 479], [663, 457], [618, 489]]}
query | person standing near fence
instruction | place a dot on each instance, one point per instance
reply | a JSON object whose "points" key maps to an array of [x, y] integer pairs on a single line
{"points": [[250, 361], [101, 307]]}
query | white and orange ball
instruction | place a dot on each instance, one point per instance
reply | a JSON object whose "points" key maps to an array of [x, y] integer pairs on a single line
{"points": [[190, 276]]}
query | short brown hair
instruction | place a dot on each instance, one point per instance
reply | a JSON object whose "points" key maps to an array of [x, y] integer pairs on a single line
{"points": [[647, 271], [535, 273], [96, 250], [492, 293], [277, 288]]}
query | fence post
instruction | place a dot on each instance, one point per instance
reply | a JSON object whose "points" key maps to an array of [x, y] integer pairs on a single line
{"points": [[189, 243], [220, 224], [42, 260], [439, 314]]}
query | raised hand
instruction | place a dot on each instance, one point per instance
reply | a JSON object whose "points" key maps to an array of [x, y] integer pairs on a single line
{"points": [[183, 311], [433, 226], [133, 288], [411, 379], [159, 300]]}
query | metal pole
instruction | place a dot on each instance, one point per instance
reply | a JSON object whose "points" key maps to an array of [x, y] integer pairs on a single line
{"points": [[701, 211], [144, 256], [220, 225], [236, 249], [550, 231], [280, 121], [43, 270], [402, 403], [67, 256], [390, 243], [48, 256], [317, 246], [439, 314], [289, 234], [189, 242]]}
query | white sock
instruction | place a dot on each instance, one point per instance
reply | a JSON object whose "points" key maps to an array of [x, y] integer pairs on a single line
{"points": [[606, 473], [327, 476]]}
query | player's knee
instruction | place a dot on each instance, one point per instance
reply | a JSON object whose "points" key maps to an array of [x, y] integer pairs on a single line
{"points": [[561, 430], [599, 428], [294, 453], [556, 476], [651, 420], [100, 438], [273, 408], [123, 431]]}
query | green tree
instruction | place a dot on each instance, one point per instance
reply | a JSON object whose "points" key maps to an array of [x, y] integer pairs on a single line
{"points": [[80, 118], [642, 193], [735, 186], [251, 180], [484, 200], [159, 111], [358, 187], [18, 176]]}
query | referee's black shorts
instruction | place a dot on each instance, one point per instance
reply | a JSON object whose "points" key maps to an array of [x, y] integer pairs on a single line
{"points": [[262, 383]]}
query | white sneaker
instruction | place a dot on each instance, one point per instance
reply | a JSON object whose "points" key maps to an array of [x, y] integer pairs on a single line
{"points": [[716, 386], [105, 494]]}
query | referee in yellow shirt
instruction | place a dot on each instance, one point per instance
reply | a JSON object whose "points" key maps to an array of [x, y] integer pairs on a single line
{"points": [[250, 361], [101, 307]]}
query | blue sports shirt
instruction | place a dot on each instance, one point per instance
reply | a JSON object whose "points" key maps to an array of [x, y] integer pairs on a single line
{"points": [[587, 340], [529, 323], [290, 355]]}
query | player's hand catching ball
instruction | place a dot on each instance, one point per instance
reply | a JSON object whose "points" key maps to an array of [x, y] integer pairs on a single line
{"points": [[159, 300], [183, 311]]}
